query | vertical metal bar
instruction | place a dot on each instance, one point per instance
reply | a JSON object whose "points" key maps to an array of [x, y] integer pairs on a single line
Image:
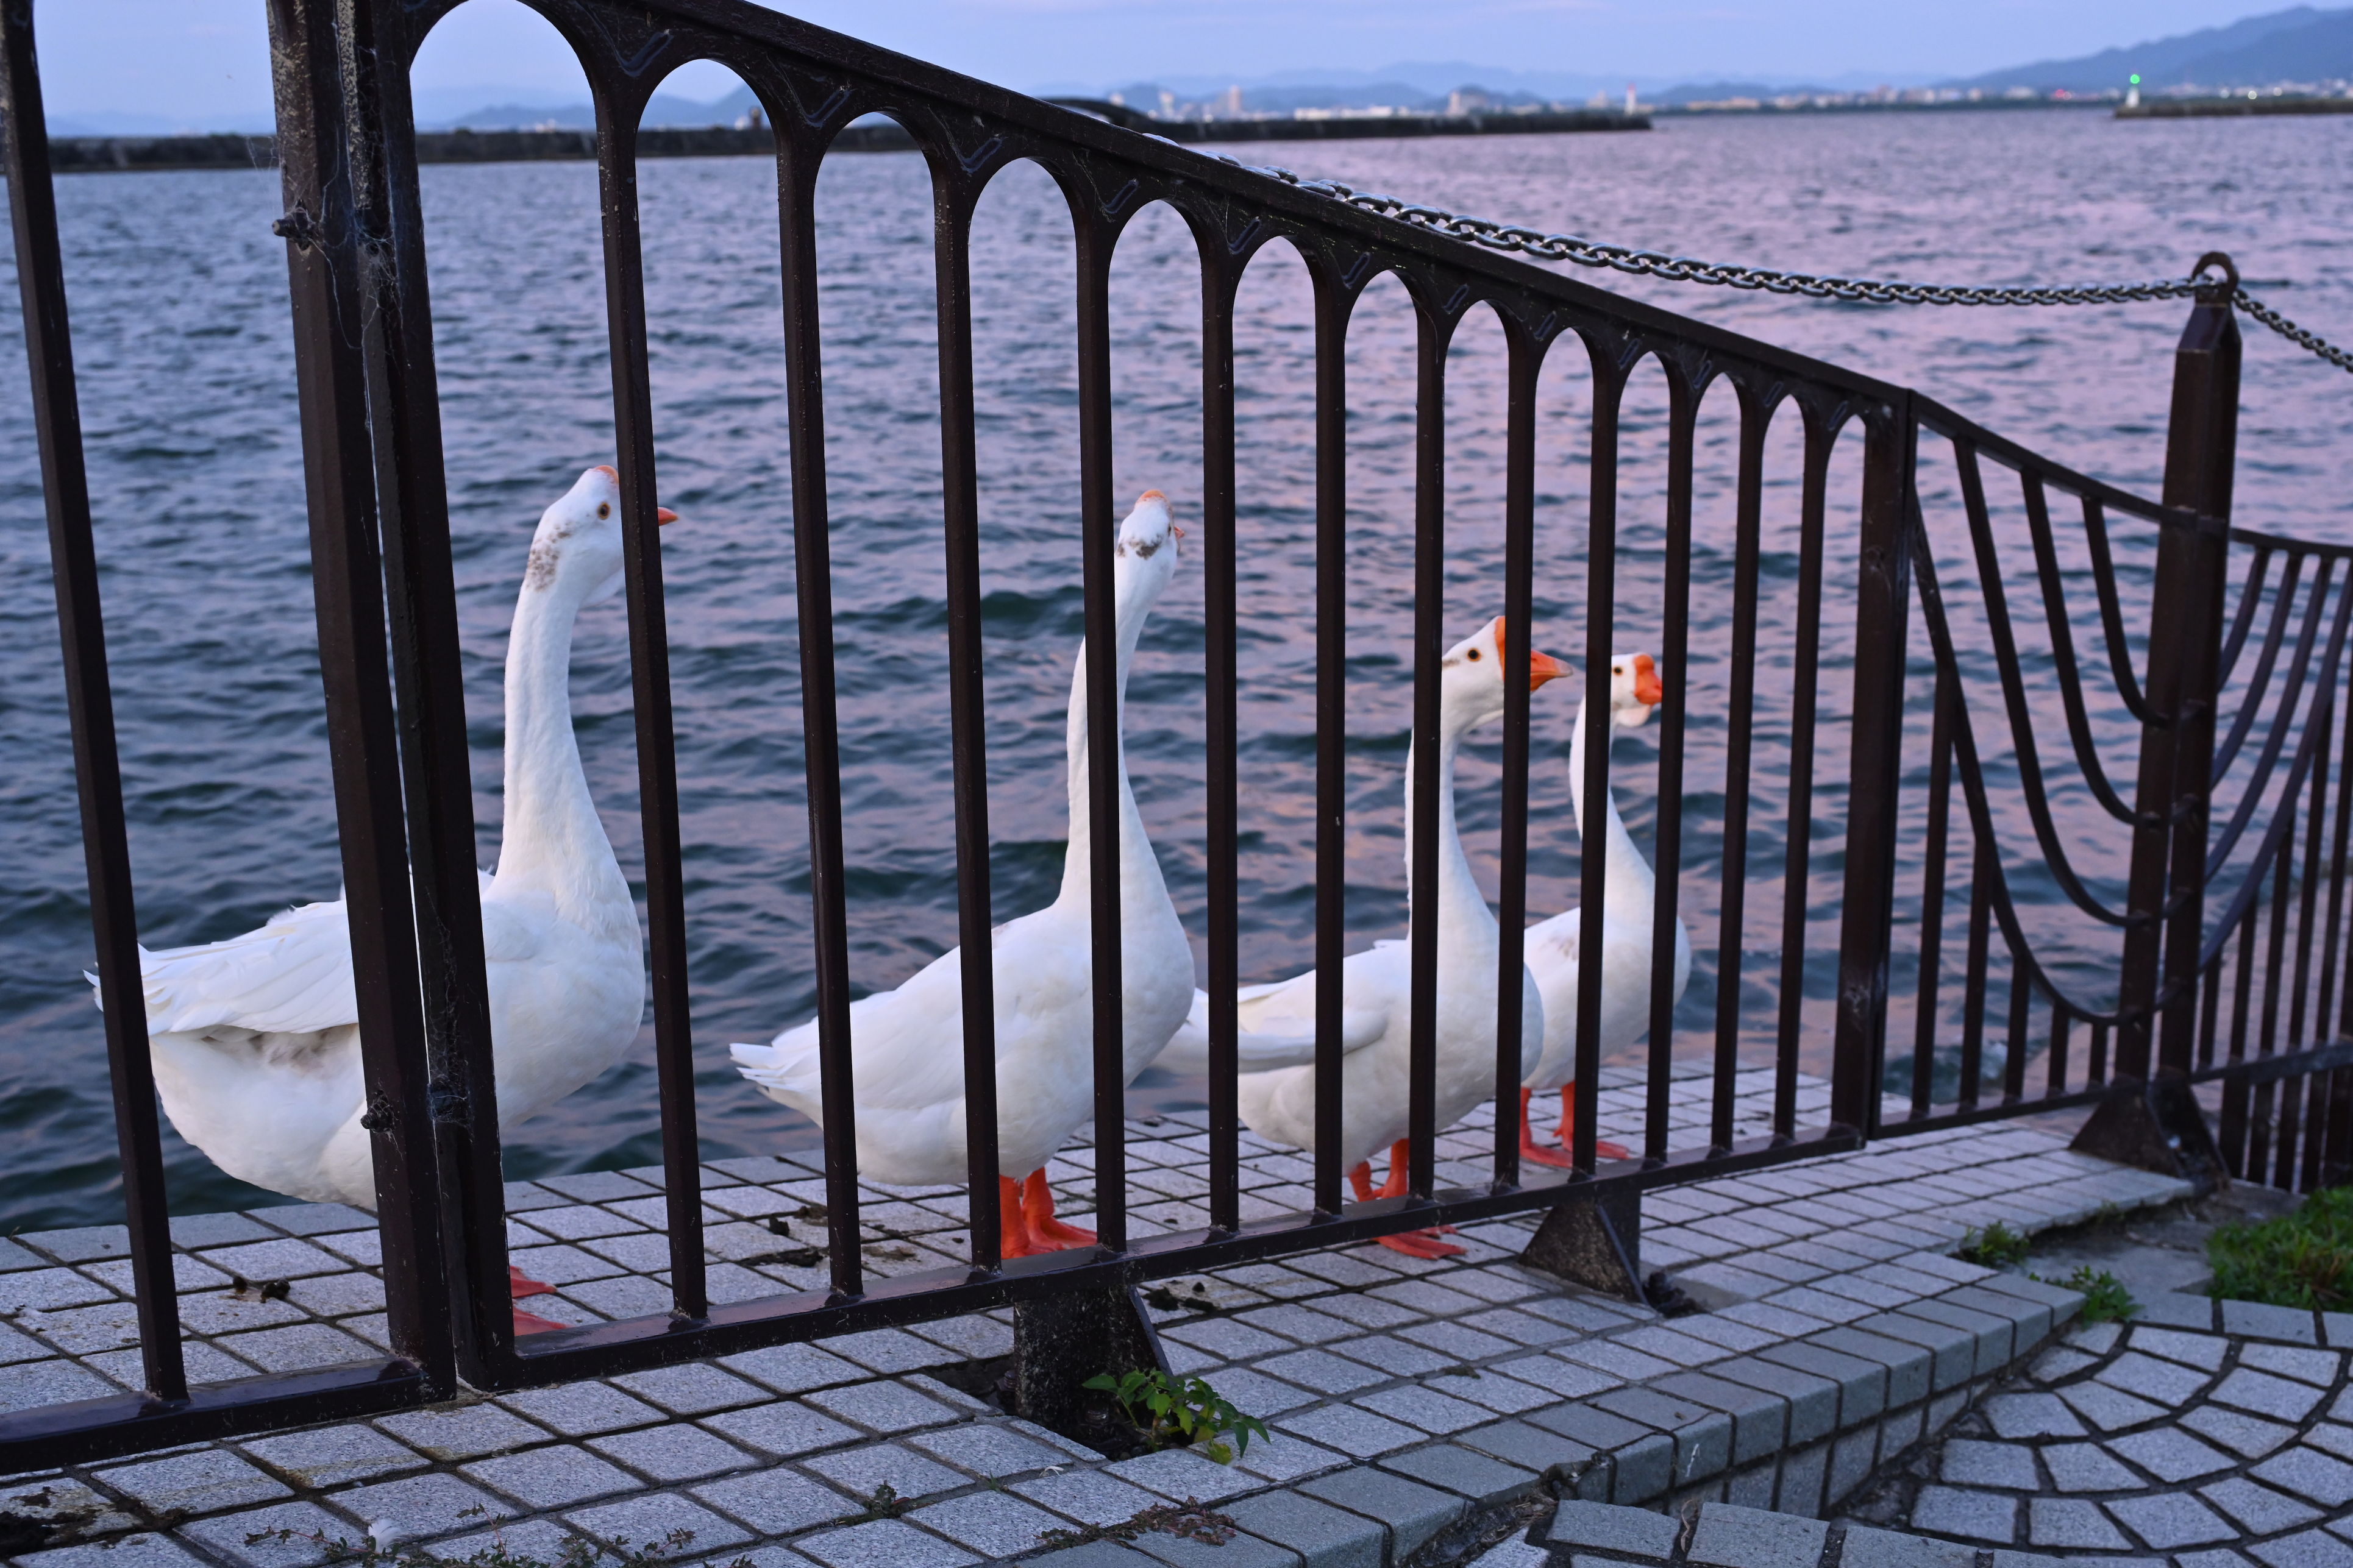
{"points": [[952, 208], [346, 572], [2321, 719], [1973, 990], [1096, 238], [796, 170], [1222, 676], [89, 701], [2210, 1005], [2268, 1040], [633, 424], [2337, 1158], [1756, 419], [2022, 998], [1431, 335], [2097, 1071], [1805, 679], [1925, 1015], [2233, 1142], [421, 581], [1675, 675], [2061, 1025], [1592, 857], [2200, 457], [1334, 302], [1526, 363], [2329, 948], [1890, 514]]}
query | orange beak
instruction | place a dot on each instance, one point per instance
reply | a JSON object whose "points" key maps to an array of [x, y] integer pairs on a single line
{"points": [[662, 514], [1542, 665], [1150, 495], [1647, 688]]}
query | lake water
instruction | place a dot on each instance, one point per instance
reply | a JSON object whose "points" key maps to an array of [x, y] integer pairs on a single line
{"points": [[179, 296]]}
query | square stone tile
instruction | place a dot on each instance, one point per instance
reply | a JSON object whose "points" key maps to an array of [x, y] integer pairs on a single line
{"points": [[582, 1409], [794, 1369], [2242, 1434], [467, 1432], [2171, 1521], [991, 1448], [206, 1480], [2263, 1394], [2171, 1454], [677, 1453], [1088, 1496], [2311, 1475], [775, 1502], [649, 1521], [2108, 1409], [2204, 1351], [329, 1456], [1323, 1372], [691, 1388], [293, 1535], [298, 1347], [887, 1351], [2071, 1523], [860, 1471], [2086, 1467], [2162, 1381], [884, 1407], [551, 1477], [884, 1544], [2316, 1367], [785, 1428], [994, 1524], [2007, 1465], [1978, 1516], [124, 1552], [2258, 1509], [1425, 1409], [420, 1508]]}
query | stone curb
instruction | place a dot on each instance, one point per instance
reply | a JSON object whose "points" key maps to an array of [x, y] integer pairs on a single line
{"points": [[1724, 1535]]}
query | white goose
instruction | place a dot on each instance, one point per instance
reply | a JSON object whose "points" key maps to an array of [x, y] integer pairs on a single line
{"points": [[1629, 892], [907, 1044], [256, 1039], [1377, 985]]}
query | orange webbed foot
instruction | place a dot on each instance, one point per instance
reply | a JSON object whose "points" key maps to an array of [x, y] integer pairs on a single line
{"points": [[1047, 1232]]}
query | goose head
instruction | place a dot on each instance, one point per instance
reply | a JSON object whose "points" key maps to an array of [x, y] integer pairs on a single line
{"points": [[1144, 553], [1471, 678], [576, 550], [1635, 690]]}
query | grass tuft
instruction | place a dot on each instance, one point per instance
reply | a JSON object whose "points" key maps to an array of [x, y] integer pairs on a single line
{"points": [[2302, 1260], [1995, 1247]]}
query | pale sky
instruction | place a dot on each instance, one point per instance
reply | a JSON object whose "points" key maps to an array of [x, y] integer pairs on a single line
{"points": [[204, 63]]}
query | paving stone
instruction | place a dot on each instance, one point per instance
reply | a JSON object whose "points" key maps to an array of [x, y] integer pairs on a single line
{"points": [[2254, 1320], [582, 1409], [124, 1552], [1487, 1481], [2202, 1350], [690, 1388], [2060, 1362], [1096, 1554], [1759, 1419], [2168, 1521], [860, 1470], [2031, 1416], [1182, 1474], [1968, 1463], [1425, 1409], [1356, 1432], [1995, 1332], [290, 1535], [1323, 1536], [551, 1477], [994, 1524], [1629, 1532], [2264, 1394], [884, 1544], [793, 1369], [1908, 1366], [1703, 1438], [2161, 1380], [647, 1521], [991, 1448], [774, 1502], [1285, 1462], [2258, 1509], [1980, 1516], [885, 1407], [1868, 1548], [327, 1457], [2172, 1309], [1236, 1552], [419, 1507], [1088, 1496], [467, 1432], [2312, 1549], [2316, 1367], [1413, 1512], [1323, 1372], [2242, 1434], [2072, 1523], [1861, 1383], [208, 1480], [1746, 1538], [1809, 1403], [2310, 1475], [675, 1453]]}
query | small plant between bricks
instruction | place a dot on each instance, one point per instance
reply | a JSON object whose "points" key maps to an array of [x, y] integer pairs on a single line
{"points": [[1994, 1247], [2105, 1300], [1188, 1520], [384, 1550], [1180, 1413], [2302, 1260]]}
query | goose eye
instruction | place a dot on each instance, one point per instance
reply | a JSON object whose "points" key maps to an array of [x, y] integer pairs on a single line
{"points": [[603, 509], [1474, 655]]}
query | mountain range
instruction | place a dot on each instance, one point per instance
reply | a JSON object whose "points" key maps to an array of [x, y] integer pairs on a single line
{"points": [[2299, 45]]}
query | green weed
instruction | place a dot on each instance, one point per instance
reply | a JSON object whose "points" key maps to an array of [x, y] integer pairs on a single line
{"points": [[1995, 1247], [1180, 1412], [2105, 1300], [2302, 1260]]}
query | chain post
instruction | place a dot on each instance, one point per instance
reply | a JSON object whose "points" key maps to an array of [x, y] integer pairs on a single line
{"points": [[2152, 1120]]}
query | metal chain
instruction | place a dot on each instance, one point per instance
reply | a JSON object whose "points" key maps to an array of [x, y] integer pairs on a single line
{"points": [[1875, 292]]}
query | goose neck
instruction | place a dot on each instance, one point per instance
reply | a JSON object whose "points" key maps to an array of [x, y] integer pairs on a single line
{"points": [[553, 841], [1628, 883], [1139, 870], [1459, 898]]}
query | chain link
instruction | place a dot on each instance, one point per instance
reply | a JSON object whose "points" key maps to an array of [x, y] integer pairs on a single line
{"points": [[1866, 290]]}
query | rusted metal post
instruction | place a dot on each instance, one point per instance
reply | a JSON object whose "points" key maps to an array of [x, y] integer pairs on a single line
{"points": [[2152, 1120]]}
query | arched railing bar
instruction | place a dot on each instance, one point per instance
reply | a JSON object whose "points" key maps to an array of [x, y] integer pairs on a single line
{"points": [[2282, 720], [2063, 650], [2251, 594], [2251, 706], [2112, 622], [2013, 692]]}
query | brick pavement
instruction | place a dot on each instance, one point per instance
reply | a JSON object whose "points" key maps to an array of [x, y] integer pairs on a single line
{"points": [[1408, 1399]]}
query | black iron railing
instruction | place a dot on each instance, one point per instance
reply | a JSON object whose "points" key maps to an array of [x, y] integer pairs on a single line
{"points": [[357, 255]]}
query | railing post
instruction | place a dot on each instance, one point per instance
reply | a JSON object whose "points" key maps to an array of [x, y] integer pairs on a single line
{"points": [[1883, 612], [2152, 1120]]}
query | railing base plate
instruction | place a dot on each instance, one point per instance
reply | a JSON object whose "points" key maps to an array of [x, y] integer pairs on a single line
{"points": [[2154, 1126], [1059, 1341], [1595, 1242]]}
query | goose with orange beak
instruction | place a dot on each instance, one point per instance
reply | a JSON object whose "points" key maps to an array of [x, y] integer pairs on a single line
{"points": [[1377, 985], [1629, 890]]}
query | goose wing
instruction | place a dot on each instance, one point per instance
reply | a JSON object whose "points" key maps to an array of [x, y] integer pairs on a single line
{"points": [[292, 975]]}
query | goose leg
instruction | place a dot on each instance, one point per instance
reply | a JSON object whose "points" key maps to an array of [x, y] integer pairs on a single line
{"points": [[520, 1284], [1602, 1148], [1360, 1177], [1049, 1233], [1412, 1243], [1529, 1148], [1013, 1238]]}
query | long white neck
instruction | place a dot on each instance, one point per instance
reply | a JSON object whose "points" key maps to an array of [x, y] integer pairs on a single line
{"points": [[553, 842], [1139, 868], [1628, 883], [1461, 905]]}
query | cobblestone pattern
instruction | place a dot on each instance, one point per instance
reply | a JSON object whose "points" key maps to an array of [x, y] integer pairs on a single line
{"points": [[2207, 1433], [1721, 1535], [1459, 1383]]}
